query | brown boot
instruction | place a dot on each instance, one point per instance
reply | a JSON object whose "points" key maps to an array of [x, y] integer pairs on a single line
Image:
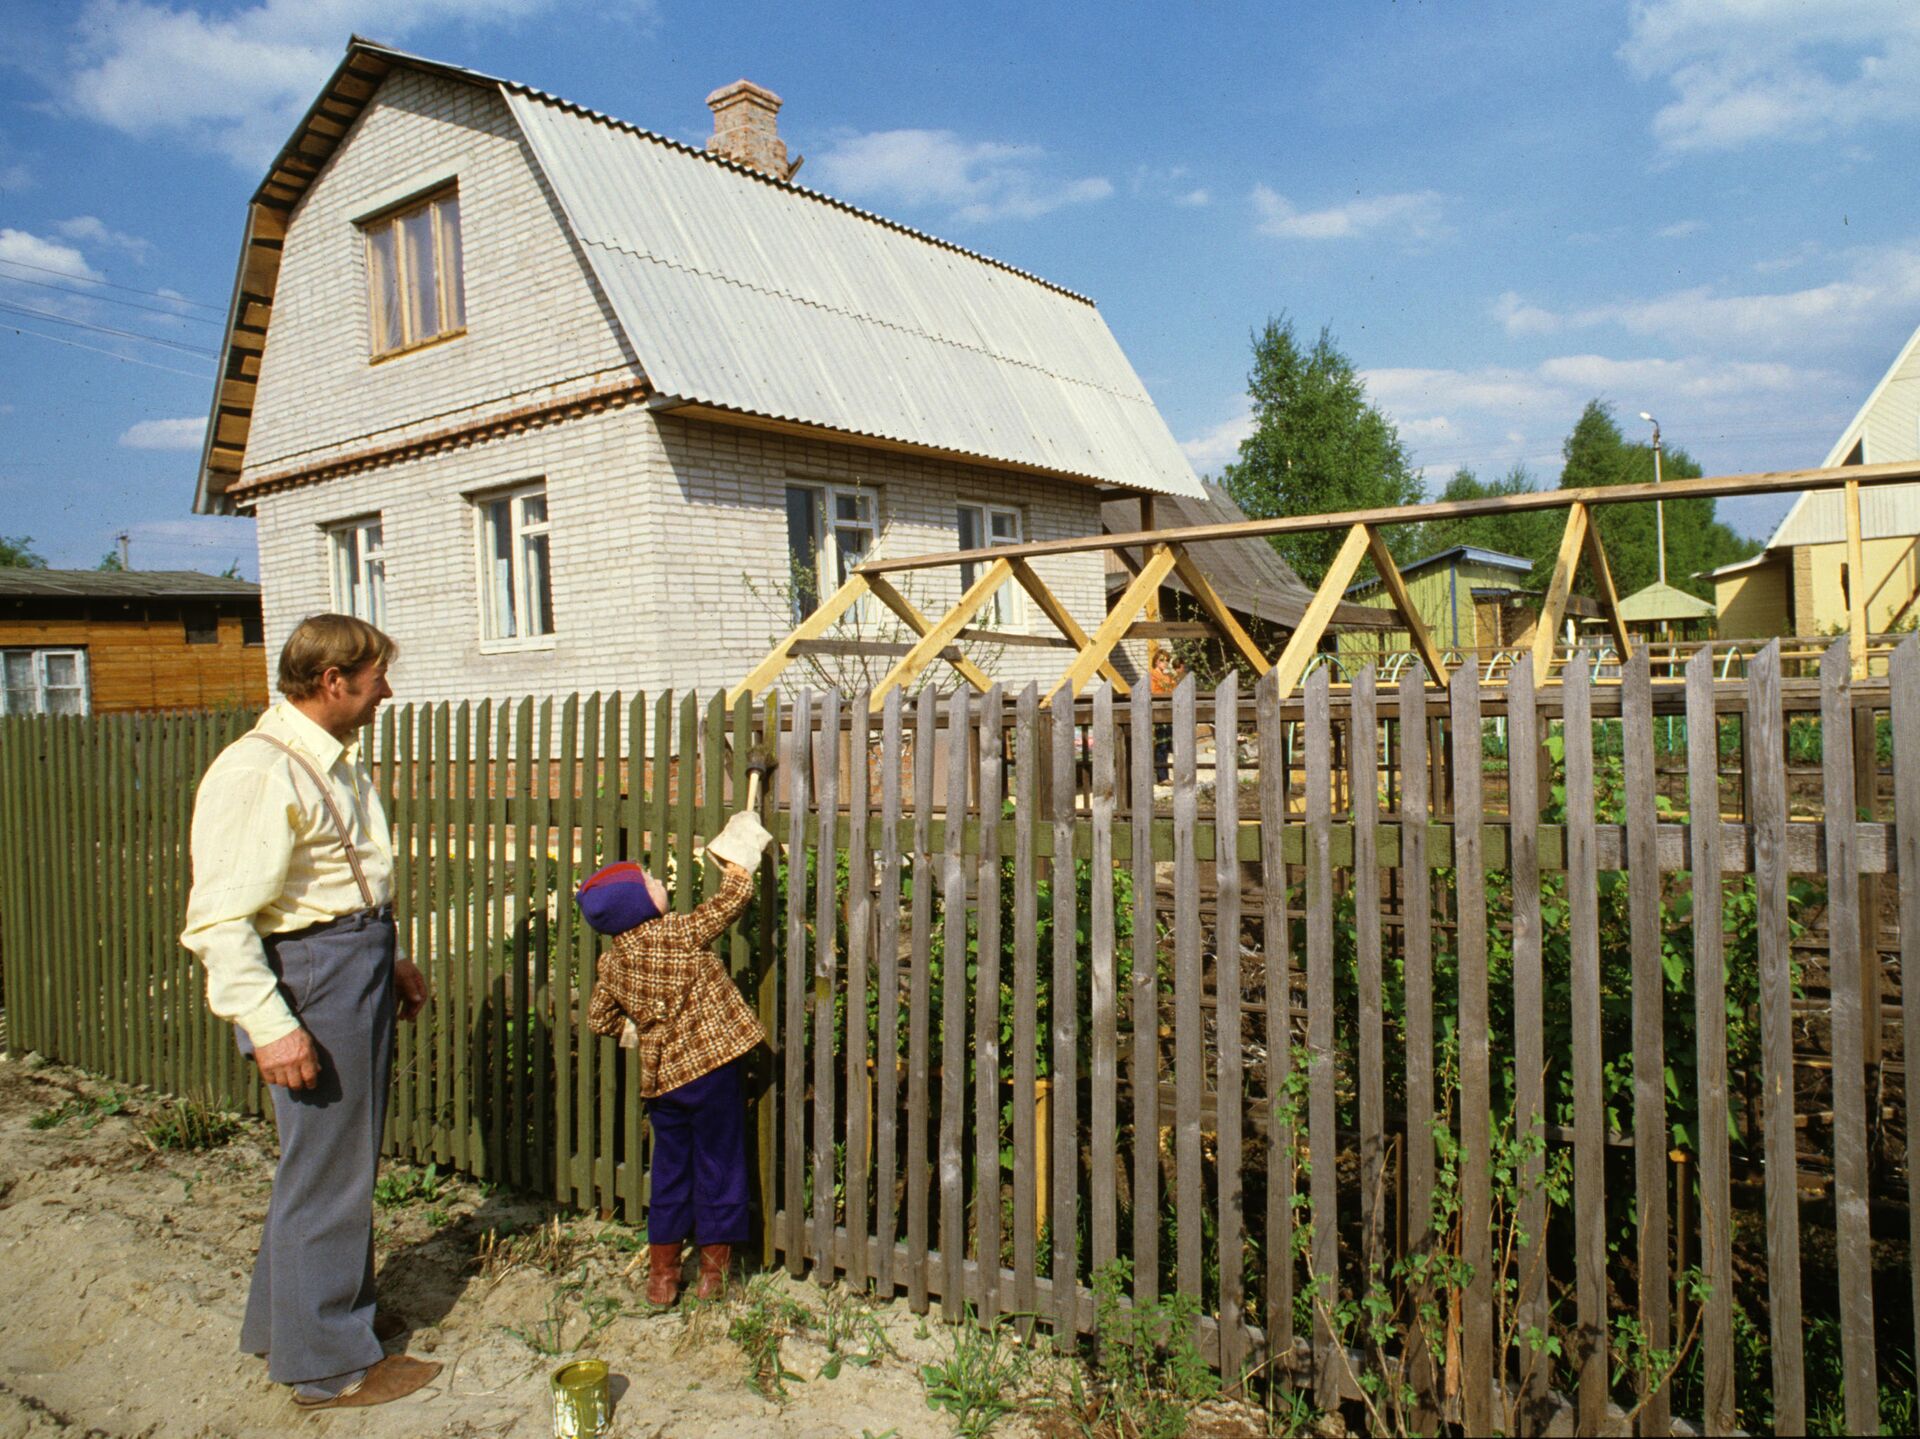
{"points": [[663, 1274], [713, 1270]]}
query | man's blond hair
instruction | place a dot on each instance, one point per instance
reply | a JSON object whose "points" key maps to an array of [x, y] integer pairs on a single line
{"points": [[323, 642]]}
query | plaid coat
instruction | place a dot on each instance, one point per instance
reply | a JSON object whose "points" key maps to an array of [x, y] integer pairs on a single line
{"points": [[664, 977]]}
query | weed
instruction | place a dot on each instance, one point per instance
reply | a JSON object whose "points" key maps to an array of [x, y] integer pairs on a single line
{"points": [[980, 1381], [766, 1317], [89, 1109], [852, 1334], [549, 1248], [548, 1335], [1148, 1372], [404, 1186], [189, 1124], [437, 1218]]}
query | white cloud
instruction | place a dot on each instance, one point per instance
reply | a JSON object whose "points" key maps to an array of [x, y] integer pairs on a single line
{"points": [[181, 434], [1745, 71], [1415, 216], [1193, 198], [1680, 229], [973, 180], [1170, 183], [42, 254], [1211, 449], [235, 83], [91, 230]]}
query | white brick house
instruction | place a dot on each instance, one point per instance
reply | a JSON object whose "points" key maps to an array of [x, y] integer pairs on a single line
{"points": [[560, 402]]}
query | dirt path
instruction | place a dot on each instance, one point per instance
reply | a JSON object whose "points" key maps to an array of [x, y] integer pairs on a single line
{"points": [[123, 1272]]}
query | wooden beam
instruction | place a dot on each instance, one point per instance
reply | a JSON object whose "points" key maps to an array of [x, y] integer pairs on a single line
{"points": [[812, 627], [1298, 654], [1133, 599], [1170, 630], [1217, 611], [1856, 582], [1395, 585], [1547, 633], [910, 615], [1015, 640], [940, 635], [1064, 621], [1152, 611], [1602, 574]]}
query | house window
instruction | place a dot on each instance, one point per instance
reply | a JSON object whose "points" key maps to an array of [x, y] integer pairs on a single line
{"points": [[44, 682], [202, 627], [982, 526], [414, 288], [357, 558], [516, 579], [829, 531]]}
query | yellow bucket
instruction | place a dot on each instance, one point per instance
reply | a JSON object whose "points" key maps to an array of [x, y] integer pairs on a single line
{"points": [[580, 1400]]}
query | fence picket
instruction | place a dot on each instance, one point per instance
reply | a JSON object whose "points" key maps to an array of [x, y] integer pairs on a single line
{"points": [[1904, 682], [1322, 1140], [797, 765], [1063, 1005], [765, 993], [887, 1080], [1143, 1012], [1363, 762], [565, 957], [920, 1000], [1277, 1309], [1529, 1030], [542, 1082], [859, 1075], [1026, 983], [1228, 1088], [953, 1017], [455, 1012], [1103, 1107], [826, 963], [987, 1011], [1189, 1053], [607, 1069]]}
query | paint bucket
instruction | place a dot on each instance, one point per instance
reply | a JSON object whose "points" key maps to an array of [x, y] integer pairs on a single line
{"points": [[580, 1400]]}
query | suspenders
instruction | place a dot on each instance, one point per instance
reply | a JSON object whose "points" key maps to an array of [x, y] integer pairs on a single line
{"points": [[326, 798]]}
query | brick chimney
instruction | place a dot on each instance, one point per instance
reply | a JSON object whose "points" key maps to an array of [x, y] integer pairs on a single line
{"points": [[746, 129]]}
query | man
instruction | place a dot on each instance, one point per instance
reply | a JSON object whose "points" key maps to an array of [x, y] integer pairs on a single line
{"points": [[290, 914]]}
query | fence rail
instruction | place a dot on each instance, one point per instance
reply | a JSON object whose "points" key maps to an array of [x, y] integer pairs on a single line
{"points": [[1269, 1000]]}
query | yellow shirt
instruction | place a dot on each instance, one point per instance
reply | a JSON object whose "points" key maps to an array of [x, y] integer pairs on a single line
{"points": [[267, 859]]}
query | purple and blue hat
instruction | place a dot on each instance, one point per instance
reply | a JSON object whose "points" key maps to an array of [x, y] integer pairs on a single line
{"points": [[616, 899]]}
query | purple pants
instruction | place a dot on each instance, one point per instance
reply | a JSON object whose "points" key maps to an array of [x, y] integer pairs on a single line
{"points": [[699, 1161]]}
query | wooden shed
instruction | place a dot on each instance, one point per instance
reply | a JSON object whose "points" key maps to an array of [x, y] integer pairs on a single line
{"points": [[1470, 598], [112, 641]]}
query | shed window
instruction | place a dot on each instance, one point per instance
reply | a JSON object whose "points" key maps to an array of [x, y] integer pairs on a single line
{"points": [[979, 527], [202, 627], [829, 531], [47, 682], [357, 560], [414, 285], [516, 574]]}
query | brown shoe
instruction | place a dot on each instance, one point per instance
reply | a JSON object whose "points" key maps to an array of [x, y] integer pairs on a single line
{"points": [[394, 1377], [663, 1274], [713, 1271]]}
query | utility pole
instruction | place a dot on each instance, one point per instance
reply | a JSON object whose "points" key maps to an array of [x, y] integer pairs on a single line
{"points": [[1659, 508], [123, 539]]}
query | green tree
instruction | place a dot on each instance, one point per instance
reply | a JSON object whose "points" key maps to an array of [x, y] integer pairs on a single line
{"points": [[1318, 445], [1530, 534], [17, 553], [110, 561], [1598, 454]]}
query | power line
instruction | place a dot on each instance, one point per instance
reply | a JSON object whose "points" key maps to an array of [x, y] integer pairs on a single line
{"points": [[108, 299], [108, 284], [101, 350], [56, 318]]}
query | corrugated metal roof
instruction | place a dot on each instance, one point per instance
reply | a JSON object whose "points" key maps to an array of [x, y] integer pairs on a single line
{"points": [[1820, 517], [1466, 554], [124, 584], [764, 298]]}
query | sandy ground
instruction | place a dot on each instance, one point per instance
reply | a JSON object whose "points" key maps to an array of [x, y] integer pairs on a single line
{"points": [[123, 1272]]}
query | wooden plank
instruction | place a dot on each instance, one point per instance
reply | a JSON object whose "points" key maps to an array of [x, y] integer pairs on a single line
{"points": [[1026, 983], [1416, 949], [1277, 1309], [1062, 619], [1767, 780], [1093, 656], [520, 906], [456, 999], [1103, 1113], [1189, 1043], [585, 1042], [1649, 1044], [1064, 1008], [826, 967], [953, 1015], [1710, 1042], [1364, 759], [1602, 574], [632, 1170], [1143, 1008], [1566, 562], [797, 764], [607, 1066], [561, 988], [540, 1095], [659, 827], [930, 645], [1216, 610], [1857, 591], [1904, 672], [812, 627], [887, 1077], [910, 614], [1396, 588], [1305, 640], [1476, 1080], [1588, 1350], [859, 1069], [1529, 1029], [1851, 1218], [987, 1194], [919, 1002], [505, 1023], [766, 966], [1231, 1082], [1322, 1140]]}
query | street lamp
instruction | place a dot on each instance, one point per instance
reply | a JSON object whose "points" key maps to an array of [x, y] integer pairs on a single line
{"points": [[1659, 509]]}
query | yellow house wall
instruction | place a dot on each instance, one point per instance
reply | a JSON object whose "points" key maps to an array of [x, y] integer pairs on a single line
{"points": [[1893, 574], [1754, 604]]}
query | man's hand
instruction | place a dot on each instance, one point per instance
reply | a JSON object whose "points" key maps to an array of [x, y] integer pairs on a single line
{"points": [[412, 985], [290, 1061]]}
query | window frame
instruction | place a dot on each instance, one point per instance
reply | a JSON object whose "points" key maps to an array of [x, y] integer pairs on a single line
{"points": [[520, 530], [449, 249], [366, 557], [40, 654], [829, 570], [1007, 609]]}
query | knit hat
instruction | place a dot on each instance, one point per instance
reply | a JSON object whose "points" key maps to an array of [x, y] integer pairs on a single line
{"points": [[616, 899]]}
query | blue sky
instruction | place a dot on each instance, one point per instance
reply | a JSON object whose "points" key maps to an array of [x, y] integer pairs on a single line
{"points": [[1701, 208]]}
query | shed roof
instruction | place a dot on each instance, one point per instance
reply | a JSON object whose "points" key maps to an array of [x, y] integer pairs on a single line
{"points": [[124, 584], [744, 293], [1459, 554], [1663, 602]]}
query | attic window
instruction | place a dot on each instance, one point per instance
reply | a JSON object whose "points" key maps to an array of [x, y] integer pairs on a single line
{"points": [[414, 288]]}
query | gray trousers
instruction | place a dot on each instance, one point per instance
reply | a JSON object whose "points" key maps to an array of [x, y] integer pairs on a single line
{"points": [[311, 1305]]}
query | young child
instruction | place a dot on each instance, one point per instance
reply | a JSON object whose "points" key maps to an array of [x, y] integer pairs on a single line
{"points": [[662, 989]]}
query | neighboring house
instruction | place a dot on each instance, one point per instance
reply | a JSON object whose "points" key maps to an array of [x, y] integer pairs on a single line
{"points": [[112, 641], [1469, 599], [1799, 584], [566, 405]]}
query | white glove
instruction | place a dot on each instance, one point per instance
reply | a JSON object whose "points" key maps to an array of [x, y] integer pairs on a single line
{"points": [[742, 842]]}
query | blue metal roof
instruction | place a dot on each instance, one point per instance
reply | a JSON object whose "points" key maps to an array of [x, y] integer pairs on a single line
{"points": [[1466, 554]]}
